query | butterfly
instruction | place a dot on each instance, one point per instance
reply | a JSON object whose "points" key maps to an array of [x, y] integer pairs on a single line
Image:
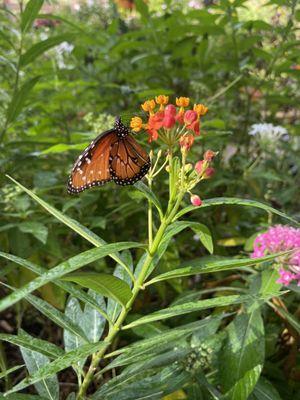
{"points": [[113, 156]]}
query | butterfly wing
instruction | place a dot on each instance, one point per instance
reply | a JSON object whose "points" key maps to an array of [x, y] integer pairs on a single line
{"points": [[129, 162], [92, 166]]}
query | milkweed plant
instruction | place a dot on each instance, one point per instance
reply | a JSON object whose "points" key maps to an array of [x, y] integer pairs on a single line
{"points": [[208, 343]]}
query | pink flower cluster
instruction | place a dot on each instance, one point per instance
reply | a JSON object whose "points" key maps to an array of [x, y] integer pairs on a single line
{"points": [[281, 238]]}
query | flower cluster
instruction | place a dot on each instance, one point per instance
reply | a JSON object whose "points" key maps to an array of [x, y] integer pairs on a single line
{"points": [[281, 238], [268, 135], [170, 122]]}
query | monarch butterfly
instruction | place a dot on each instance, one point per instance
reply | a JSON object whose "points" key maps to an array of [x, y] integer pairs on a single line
{"points": [[113, 156]]}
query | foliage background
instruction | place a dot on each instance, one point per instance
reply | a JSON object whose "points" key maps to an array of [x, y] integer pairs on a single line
{"points": [[238, 57]]}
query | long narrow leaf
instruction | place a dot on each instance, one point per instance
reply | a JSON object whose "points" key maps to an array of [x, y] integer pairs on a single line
{"points": [[218, 201], [150, 196], [30, 13], [104, 284], [214, 266], [10, 370], [67, 286], [59, 364], [188, 308], [31, 343], [64, 268], [56, 316], [71, 223]]}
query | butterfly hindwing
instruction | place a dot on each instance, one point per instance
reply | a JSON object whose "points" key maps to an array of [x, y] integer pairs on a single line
{"points": [[129, 161]]}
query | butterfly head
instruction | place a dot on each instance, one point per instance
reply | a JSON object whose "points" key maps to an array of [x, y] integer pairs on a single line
{"points": [[121, 129]]}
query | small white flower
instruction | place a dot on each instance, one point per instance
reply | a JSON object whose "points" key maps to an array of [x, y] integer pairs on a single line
{"points": [[268, 132], [65, 47]]}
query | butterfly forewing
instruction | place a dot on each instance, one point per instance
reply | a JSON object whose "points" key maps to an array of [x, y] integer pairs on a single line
{"points": [[92, 167]]}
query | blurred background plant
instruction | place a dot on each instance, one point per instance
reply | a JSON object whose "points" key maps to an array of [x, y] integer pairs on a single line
{"points": [[71, 68]]}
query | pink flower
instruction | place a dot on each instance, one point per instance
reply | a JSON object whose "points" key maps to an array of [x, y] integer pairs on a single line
{"points": [[277, 239], [168, 121], [209, 155], [200, 167], [209, 172], [195, 200], [170, 110], [285, 277], [190, 116]]}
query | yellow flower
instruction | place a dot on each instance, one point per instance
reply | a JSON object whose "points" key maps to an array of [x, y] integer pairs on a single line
{"points": [[136, 124], [182, 101], [162, 100], [148, 106], [200, 109]]}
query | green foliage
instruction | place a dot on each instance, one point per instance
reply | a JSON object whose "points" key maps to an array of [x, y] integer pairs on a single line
{"points": [[86, 296]]}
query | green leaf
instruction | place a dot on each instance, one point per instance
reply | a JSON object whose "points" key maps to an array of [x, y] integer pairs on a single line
{"points": [[74, 313], [21, 397], [234, 201], [40, 48], [113, 307], [71, 223], [264, 390], [288, 316], [213, 266], [47, 388], [64, 268], [59, 364], [201, 230], [147, 192], [160, 342], [93, 321], [31, 343], [67, 286], [142, 8], [37, 229], [56, 316], [10, 370], [19, 98], [104, 284], [243, 355], [188, 308], [30, 13]]}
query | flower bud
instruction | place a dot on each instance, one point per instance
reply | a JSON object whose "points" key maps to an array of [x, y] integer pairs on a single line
{"points": [[209, 172], [168, 121], [179, 118], [200, 167], [188, 167], [209, 155], [170, 110], [190, 116], [195, 200]]}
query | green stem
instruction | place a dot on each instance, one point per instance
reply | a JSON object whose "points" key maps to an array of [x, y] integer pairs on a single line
{"points": [[150, 217], [135, 291]]}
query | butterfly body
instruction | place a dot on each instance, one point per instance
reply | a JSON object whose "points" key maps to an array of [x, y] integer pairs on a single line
{"points": [[112, 156]]}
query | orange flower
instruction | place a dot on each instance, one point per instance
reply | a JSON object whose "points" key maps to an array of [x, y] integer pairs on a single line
{"points": [[148, 106], [155, 122], [200, 109], [209, 155], [136, 124], [182, 101], [162, 100]]}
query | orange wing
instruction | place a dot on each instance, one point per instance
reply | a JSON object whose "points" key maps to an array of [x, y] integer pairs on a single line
{"points": [[129, 162], [92, 166]]}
